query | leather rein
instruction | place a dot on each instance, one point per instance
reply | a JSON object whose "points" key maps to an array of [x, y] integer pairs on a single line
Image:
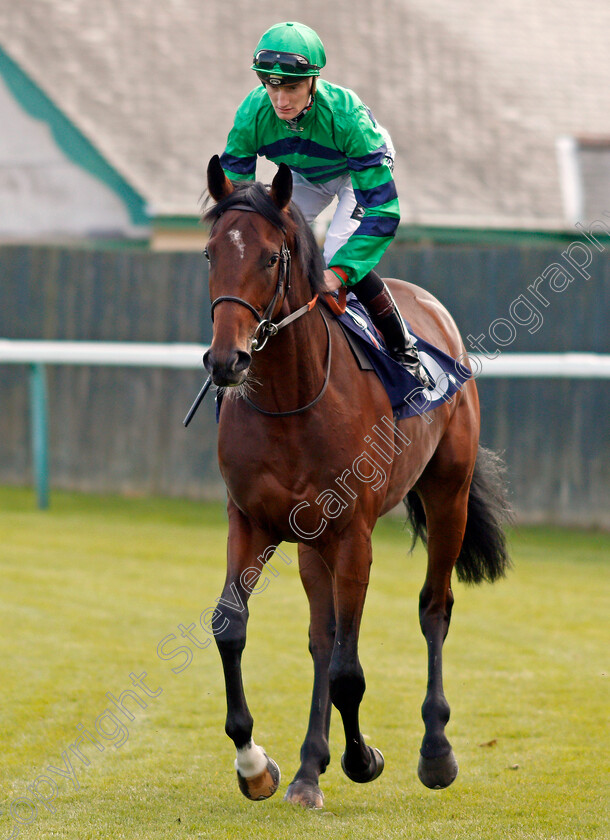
{"points": [[267, 328]]}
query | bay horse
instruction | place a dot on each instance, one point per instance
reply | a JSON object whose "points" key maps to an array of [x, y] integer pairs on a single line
{"points": [[295, 415]]}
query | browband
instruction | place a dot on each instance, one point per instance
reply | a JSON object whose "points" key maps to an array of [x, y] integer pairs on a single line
{"points": [[249, 209]]}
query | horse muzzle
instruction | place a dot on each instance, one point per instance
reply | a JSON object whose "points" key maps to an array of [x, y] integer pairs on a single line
{"points": [[228, 370]]}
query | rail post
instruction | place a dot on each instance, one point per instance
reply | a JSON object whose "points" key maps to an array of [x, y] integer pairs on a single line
{"points": [[39, 427]]}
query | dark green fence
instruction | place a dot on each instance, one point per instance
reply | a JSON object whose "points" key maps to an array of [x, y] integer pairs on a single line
{"points": [[121, 430]]}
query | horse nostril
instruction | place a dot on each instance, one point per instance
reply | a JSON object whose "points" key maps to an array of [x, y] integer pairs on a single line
{"points": [[226, 371], [242, 361]]}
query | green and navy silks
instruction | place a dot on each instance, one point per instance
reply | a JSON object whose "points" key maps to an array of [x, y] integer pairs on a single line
{"points": [[337, 136]]}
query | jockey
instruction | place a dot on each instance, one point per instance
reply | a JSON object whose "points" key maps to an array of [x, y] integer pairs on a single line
{"points": [[333, 147]]}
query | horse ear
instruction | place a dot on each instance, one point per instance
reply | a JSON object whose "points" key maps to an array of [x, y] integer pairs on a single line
{"points": [[219, 185], [281, 187]]}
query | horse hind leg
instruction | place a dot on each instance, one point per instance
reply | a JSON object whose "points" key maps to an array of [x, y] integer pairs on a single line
{"points": [[315, 753], [446, 521], [465, 510], [359, 762], [337, 672]]}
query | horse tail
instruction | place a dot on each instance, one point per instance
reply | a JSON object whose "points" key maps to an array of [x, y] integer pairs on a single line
{"points": [[484, 555]]}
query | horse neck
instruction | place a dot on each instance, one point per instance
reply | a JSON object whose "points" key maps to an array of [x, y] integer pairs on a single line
{"points": [[293, 363]]}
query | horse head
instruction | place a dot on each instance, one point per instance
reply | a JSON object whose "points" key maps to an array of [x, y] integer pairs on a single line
{"points": [[249, 257]]}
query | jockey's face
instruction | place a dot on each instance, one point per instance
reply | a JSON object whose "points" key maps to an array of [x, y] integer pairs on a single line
{"points": [[289, 100]]}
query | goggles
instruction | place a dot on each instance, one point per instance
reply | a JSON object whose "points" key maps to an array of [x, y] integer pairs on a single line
{"points": [[289, 63]]}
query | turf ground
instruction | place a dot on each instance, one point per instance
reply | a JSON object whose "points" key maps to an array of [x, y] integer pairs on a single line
{"points": [[90, 588]]}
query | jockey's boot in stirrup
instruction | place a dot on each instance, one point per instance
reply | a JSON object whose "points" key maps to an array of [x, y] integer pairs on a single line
{"points": [[401, 345]]}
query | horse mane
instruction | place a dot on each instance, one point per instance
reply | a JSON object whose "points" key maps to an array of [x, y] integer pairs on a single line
{"points": [[256, 195]]}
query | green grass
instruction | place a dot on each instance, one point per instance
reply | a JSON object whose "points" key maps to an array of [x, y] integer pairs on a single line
{"points": [[90, 587]]}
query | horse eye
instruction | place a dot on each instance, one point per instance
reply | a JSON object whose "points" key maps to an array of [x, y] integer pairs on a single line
{"points": [[273, 260], [206, 254]]}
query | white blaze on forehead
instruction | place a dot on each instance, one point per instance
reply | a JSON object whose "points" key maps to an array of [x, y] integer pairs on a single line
{"points": [[235, 237]]}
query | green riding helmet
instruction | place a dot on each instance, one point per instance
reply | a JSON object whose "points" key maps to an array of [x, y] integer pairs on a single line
{"points": [[288, 52]]}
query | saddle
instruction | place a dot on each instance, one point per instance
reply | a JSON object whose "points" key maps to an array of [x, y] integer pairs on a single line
{"points": [[407, 395]]}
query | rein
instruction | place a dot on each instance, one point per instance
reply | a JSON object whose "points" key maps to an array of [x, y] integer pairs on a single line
{"points": [[322, 390], [267, 328]]}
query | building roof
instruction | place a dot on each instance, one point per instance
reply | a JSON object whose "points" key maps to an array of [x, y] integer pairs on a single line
{"points": [[475, 94]]}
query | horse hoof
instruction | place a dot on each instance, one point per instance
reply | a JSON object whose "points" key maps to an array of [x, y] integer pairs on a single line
{"points": [[305, 794], [437, 773], [262, 786], [375, 768]]}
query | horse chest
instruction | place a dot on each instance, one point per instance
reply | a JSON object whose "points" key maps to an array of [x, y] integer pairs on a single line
{"points": [[302, 490], [260, 467]]}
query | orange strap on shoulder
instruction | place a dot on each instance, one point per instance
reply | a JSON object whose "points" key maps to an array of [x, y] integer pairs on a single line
{"points": [[337, 304]]}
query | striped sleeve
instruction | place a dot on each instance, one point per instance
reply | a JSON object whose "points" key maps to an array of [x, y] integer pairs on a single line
{"points": [[375, 192], [239, 157]]}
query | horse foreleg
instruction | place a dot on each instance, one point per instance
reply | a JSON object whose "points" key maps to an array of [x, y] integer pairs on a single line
{"points": [[315, 754], [258, 776], [446, 522], [360, 762]]}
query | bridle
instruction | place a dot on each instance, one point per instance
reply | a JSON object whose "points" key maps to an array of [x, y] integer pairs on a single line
{"points": [[266, 327]]}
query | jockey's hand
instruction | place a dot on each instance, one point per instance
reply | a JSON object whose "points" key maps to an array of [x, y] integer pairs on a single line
{"points": [[331, 281]]}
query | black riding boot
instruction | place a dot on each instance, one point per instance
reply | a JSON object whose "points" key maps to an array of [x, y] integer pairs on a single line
{"points": [[373, 293]]}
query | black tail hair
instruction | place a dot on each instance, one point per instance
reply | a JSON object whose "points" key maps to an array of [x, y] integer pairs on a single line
{"points": [[484, 554]]}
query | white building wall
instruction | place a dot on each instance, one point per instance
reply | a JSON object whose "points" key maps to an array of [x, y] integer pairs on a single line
{"points": [[42, 192]]}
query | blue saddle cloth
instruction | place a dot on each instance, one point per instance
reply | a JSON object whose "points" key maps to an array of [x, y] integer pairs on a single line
{"points": [[407, 395]]}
